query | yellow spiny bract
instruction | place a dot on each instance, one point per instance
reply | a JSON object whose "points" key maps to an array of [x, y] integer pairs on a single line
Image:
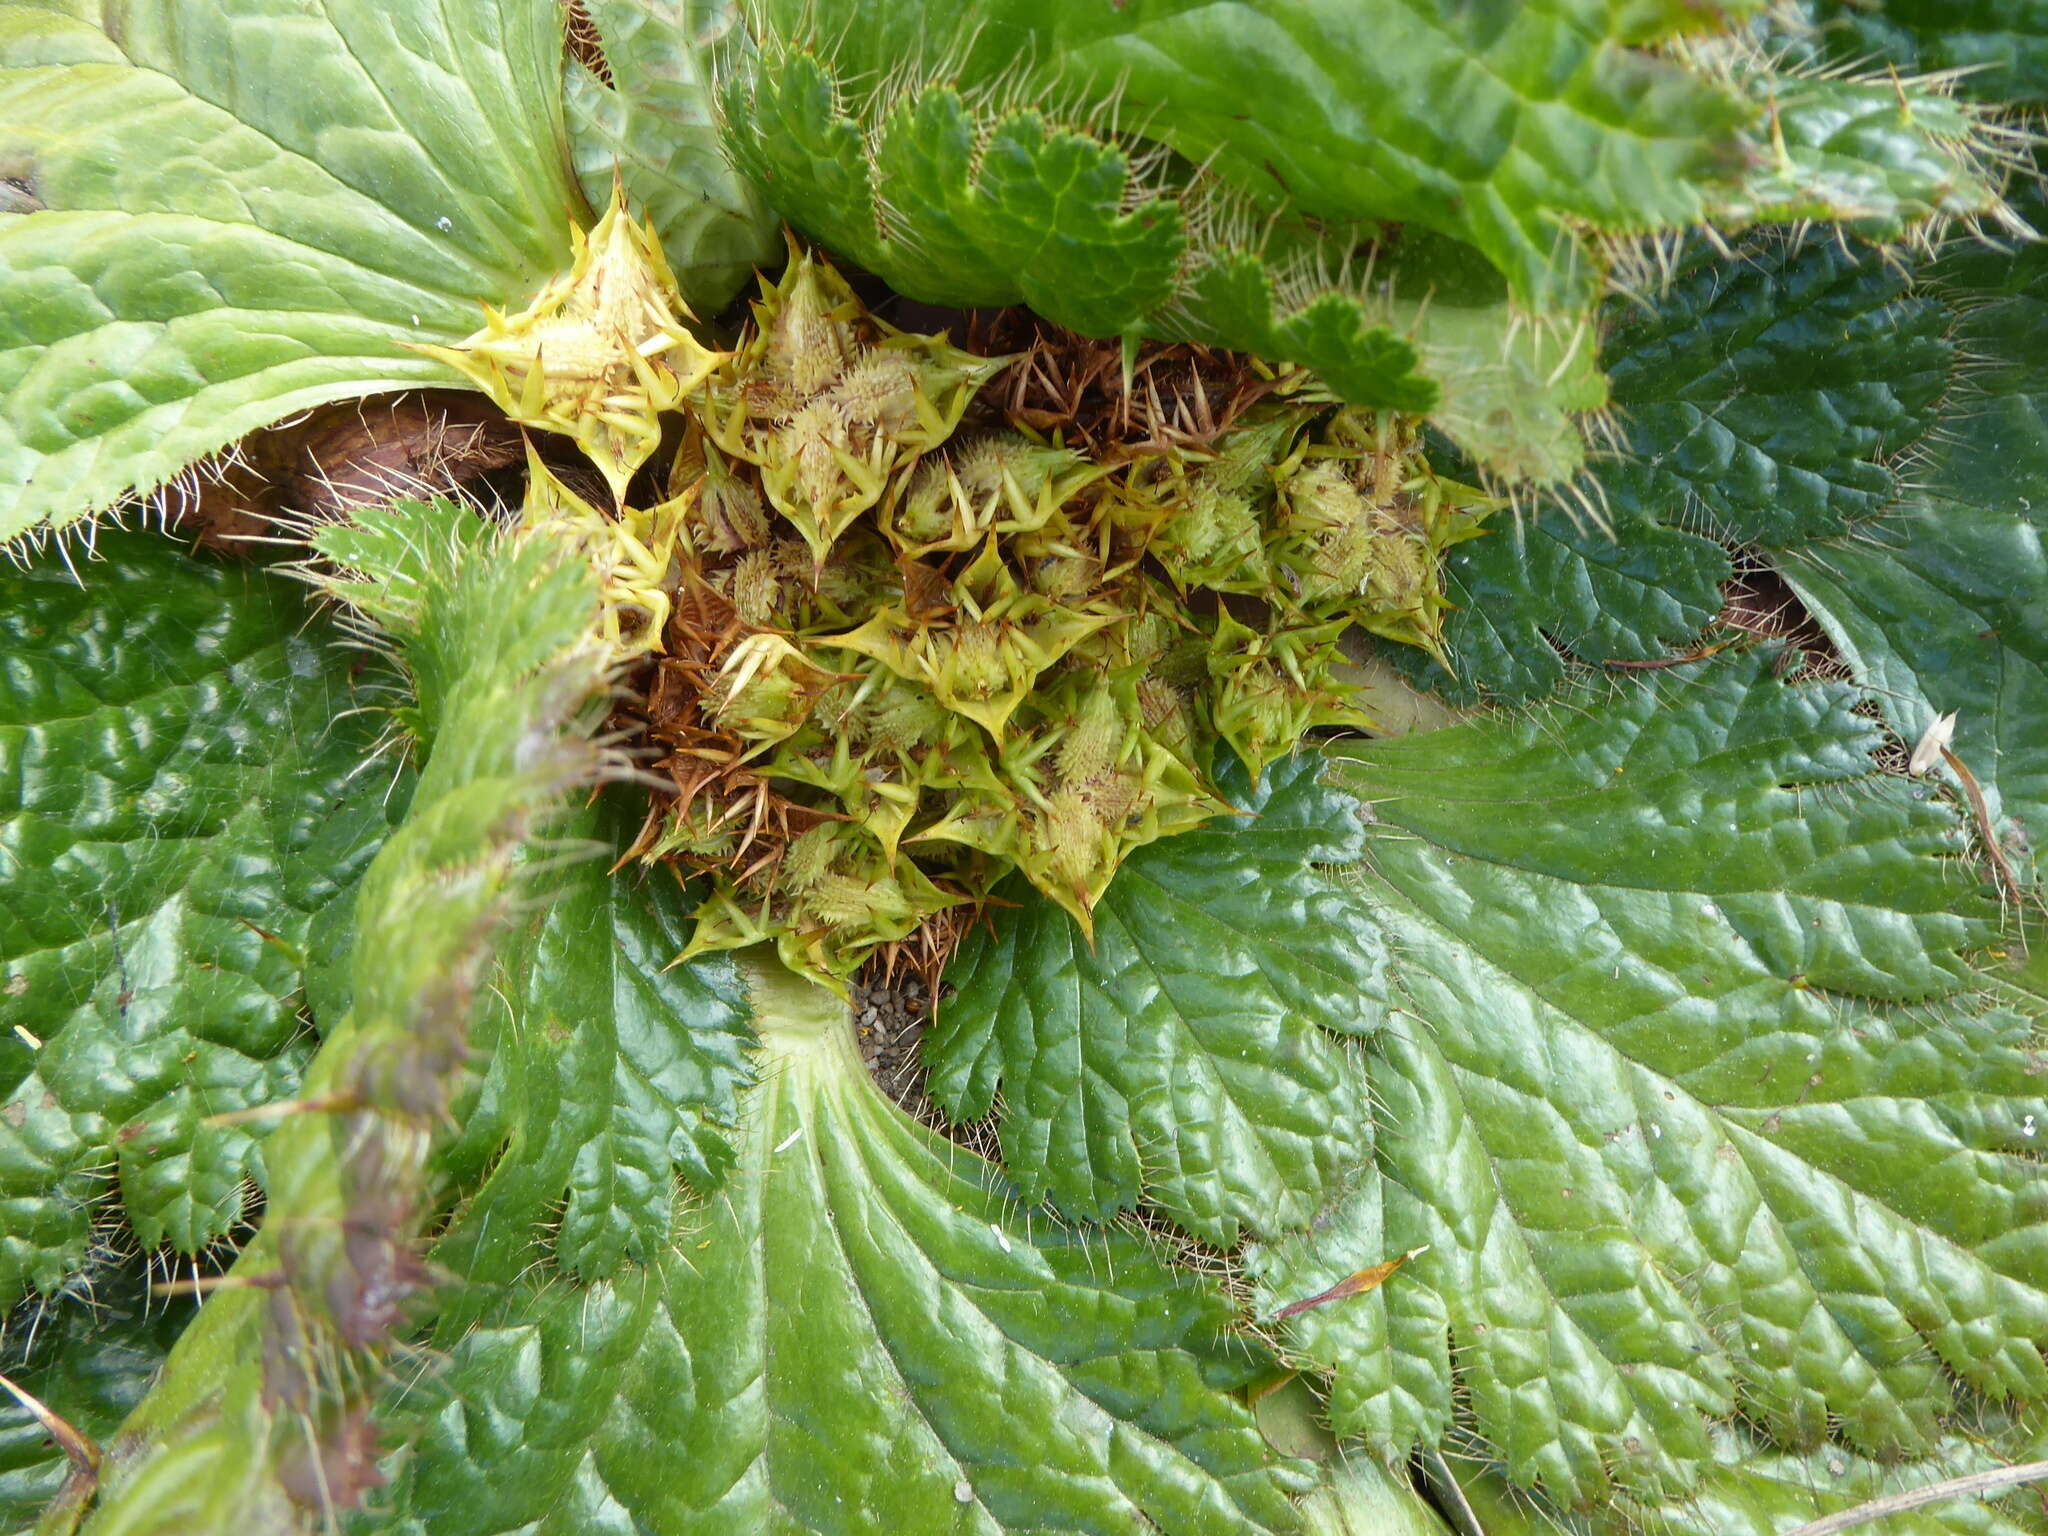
{"points": [[599, 354], [633, 555]]}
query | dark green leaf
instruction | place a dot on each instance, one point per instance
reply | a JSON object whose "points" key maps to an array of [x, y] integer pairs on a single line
{"points": [[1760, 397], [1552, 586], [610, 1076], [181, 799], [957, 201], [1944, 605], [260, 1418], [1186, 1058], [1764, 396], [2000, 45], [92, 1358]]}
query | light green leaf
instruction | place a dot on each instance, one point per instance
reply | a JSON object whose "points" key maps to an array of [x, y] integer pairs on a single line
{"points": [[1880, 155], [244, 210], [1359, 1497], [180, 805], [1686, 1095], [652, 125], [1753, 1489], [1186, 1059], [864, 1331]]}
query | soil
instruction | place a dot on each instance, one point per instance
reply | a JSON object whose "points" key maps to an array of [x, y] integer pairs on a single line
{"points": [[890, 1017]]}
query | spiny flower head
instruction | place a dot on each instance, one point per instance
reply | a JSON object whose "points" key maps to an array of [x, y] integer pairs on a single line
{"points": [[890, 641], [829, 403]]}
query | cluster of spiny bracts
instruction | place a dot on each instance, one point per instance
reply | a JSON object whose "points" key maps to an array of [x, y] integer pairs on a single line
{"points": [[895, 640]]}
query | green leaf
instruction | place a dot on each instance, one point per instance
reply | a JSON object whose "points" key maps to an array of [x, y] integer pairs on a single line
{"points": [[1686, 1096], [1013, 206], [89, 1362], [2001, 46], [260, 1417], [1361, 1498], [954, 201], [1550, 587], [863, 1331], [1762, 396], [180, 806], [245, 209], [1753, 1489], [1186, 1059], [612, 1076], [652, 125], [1475, 122], [1880, 155], [1943, 606]]}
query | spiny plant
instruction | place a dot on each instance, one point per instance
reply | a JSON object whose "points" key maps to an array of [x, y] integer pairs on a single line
{"points": [[898, 646], [451, 944]]}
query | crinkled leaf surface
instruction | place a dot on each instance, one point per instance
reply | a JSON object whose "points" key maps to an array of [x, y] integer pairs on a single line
{"points": [[1540, 591], [1685, 1090], [244, 209], [2001, 45], [1753, 1489], [1188, 1058], [1760, 397], [277, 1369], [1880, 155], [1943, 605], [1494, 125], [1945, 608], [865, 1330], [611, 1075], [180, 813], [954, 201], [651, 124]]}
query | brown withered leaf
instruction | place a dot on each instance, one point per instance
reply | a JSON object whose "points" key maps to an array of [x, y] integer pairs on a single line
{"points": [[318, 466], [422, 444]]}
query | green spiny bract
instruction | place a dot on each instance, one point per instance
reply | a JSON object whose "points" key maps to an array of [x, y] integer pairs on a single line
{"points": [[893, 644]]}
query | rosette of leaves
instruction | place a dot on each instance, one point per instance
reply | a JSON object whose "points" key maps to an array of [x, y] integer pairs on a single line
{"points": [[1617, 1115]]}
